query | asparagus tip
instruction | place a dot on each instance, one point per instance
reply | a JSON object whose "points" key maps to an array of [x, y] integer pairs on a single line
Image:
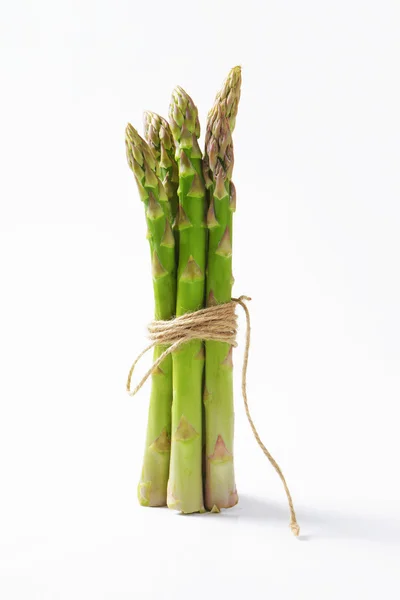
{"points": [[229, 95]]}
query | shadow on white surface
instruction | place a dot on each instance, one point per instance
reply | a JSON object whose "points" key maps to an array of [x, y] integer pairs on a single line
{"points": [[317, 523]]}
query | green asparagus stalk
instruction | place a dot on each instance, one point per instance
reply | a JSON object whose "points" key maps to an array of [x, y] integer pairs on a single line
{"points": [[220, 487], [159, 137], [185, 485], [152, 488]]}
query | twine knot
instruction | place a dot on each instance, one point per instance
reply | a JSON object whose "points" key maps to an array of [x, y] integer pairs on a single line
{"points": [[218, 323]]}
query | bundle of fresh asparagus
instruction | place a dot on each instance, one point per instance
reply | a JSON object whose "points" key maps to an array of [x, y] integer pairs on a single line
{"points": [[189, 199]]}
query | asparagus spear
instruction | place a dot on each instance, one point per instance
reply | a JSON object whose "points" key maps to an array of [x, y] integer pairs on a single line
{"points": [[152, 488], [159, 137], [228, 98], [185, 486], [220, 488]]}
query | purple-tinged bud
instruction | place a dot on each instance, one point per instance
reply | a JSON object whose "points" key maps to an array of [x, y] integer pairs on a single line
{"points": [[212, 151], [220, 191], [211, 218]]}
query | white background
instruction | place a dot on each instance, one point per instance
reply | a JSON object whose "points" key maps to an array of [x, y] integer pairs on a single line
{"points": [[316, 246]]}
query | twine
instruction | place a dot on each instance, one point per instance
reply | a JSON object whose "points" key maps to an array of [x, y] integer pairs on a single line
{"points": [[218, 323]]}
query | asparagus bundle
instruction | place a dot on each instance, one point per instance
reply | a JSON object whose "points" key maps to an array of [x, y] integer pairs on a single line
{"points": [[196, 200], [152, 489], [189, 202], [185, 486], [220, 488]]}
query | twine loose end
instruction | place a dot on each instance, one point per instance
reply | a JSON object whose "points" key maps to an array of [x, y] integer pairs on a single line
{"points": [[294, 526]]}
